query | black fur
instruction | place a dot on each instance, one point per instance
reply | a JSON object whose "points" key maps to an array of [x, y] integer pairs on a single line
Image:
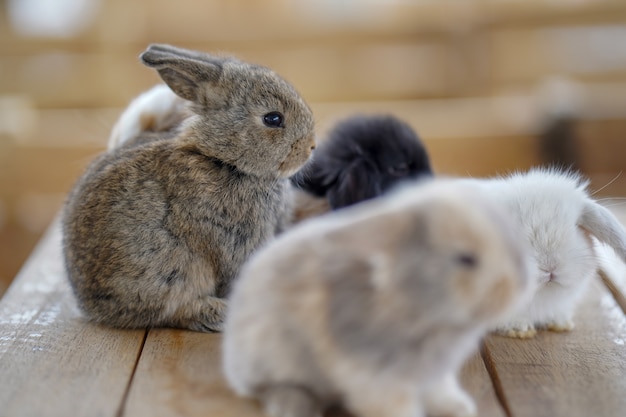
{"points": [[363, 157]]}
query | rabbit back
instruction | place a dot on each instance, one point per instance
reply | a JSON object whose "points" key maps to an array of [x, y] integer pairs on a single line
{"points": [[148, 223], [158, 227]]}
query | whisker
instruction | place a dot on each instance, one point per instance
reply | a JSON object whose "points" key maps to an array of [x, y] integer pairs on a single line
{"points": [[606, 185], [610, 199], [614, 205]]}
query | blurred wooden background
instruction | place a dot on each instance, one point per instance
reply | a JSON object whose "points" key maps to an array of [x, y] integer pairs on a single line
{"points": [[486, 83]]}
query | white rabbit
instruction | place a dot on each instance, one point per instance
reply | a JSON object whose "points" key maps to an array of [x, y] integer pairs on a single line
{"points": [[155, 110], [559, 221], [375, 306]]}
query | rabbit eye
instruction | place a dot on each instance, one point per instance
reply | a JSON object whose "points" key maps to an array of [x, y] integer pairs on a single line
{"points": [[273, 119], [467, 260], [399, 170]]}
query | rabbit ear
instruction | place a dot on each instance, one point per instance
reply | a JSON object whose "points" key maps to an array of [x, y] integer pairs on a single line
{"points": [[602, 224], [200, 56], [357, 182], [182, 70]]}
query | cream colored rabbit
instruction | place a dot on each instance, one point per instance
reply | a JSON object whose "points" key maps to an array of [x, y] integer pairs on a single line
{"points": [[374, 307], [156, 230]]}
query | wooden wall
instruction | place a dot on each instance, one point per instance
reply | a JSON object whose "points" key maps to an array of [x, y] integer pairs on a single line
{"points": [[479, 80]]}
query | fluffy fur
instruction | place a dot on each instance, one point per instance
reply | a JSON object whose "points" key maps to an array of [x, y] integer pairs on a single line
{"points": [[375, 306], [156, 110], [559, 222], [362, 157], [157, 228]]}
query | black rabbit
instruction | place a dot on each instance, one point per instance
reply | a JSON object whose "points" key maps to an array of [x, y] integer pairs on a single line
{"points": [[363, 157]]}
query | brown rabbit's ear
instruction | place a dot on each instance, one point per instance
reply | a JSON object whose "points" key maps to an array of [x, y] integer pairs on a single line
{"points": [[182, 70], [200, 56], [602, 224]]}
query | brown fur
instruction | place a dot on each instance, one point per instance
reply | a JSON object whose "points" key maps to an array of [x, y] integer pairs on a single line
{"points": [[156, 229]]}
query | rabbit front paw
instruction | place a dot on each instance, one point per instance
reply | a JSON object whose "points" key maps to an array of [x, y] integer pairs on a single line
{"points": [[289, 401], [206, 315], [517, 330], [564, 325], [448, 399]]}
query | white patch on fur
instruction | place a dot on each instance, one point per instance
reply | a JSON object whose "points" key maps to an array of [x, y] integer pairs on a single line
{"points": [[151, 105]]}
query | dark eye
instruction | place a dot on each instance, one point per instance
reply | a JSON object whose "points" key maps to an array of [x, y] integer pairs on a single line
{"points": [[399, 170], [467, 260], [273, 119]]}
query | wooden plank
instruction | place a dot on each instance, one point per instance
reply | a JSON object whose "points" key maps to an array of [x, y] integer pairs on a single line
{"points": [[601, 115], [600, 145], [61, 79], [580, 373], [121, 22], [612, 268], [180, 374], [53, 362], [476, 380], [374, 70], [529, 55], [384, 51]]}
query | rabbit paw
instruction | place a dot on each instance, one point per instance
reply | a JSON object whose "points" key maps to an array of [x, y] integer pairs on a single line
{"points": [[206, 315], [518, 331], [448, 399], [207, 327], [564, 325], [289, 401]]}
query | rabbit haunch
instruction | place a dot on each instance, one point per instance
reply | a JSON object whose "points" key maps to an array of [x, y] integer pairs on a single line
{"points": [[156, 230], [374, 306]]}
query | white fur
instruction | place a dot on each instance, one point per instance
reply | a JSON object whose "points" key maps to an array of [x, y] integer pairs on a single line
{"points": [[149, 107], [447, 398], [550, 206], [279, 331]]}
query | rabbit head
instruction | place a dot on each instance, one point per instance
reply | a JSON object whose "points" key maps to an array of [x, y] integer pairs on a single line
{"points": [[363, 157], [451, 258], [246, 115], [559, 221]]}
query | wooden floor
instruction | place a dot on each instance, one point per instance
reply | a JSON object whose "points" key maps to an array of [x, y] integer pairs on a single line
{"points": [[54, 363]]}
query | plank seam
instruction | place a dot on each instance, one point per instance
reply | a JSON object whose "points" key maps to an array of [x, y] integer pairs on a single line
{"points": [[617, 295], [120, 411], [495, 378]]}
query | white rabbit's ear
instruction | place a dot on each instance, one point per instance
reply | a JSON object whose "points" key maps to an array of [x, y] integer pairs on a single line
{"points": [[183, 71], [602, 224]]}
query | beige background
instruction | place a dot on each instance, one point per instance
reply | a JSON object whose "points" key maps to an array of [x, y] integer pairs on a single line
{"points": [[480, 81]]}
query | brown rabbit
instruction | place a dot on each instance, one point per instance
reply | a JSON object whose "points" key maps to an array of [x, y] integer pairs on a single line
{"points": [[155, 233], [374, 306]]}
